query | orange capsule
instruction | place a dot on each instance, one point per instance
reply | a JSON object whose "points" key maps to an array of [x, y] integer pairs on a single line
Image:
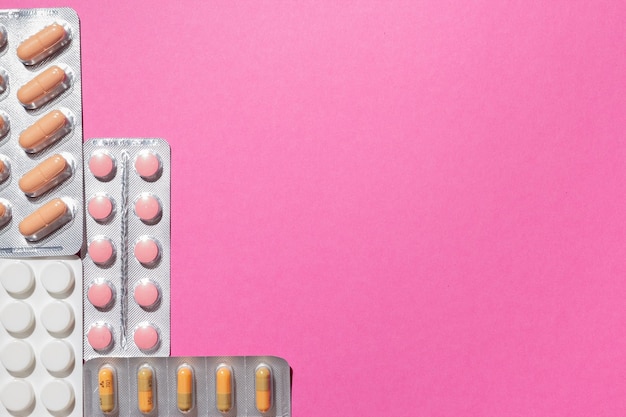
{"points": [[263, 388], [106, 388], [45, 176], [44, 220], [43, 88], [45, 131], [3, 168], [43, 44], [3, 210], [184, 388], [224, 388], [145, 389]]}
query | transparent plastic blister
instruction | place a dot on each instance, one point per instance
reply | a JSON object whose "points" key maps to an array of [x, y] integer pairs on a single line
{"points": [[127, 265], [40, 119], [40, 337], [160, 386]]}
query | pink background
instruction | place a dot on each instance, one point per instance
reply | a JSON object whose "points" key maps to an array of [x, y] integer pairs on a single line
{"points": [[419, 204]]}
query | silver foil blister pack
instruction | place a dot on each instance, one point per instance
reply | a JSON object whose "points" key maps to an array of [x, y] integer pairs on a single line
{"points": [[220, 386], [127, 264], [41, 337], [41, 133]]}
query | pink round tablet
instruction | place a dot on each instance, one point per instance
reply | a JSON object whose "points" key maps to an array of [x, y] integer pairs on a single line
{"points": [[146, 337], [147, 207], [146, 294], [101, 250], [100, 336], [100, 294], [101, 165], [148, 165], [100, 207], [147, 251]]}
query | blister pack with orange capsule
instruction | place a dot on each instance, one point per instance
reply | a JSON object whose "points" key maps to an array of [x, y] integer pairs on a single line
{"points": [[127, 264], [41, 134], [216, 386]]}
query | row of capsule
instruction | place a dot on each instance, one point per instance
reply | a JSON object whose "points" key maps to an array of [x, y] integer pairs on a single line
{"points": [[146, 386]]}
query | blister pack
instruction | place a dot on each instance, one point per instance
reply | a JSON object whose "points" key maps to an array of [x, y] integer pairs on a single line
{"points": [[41, 337], [127, 265], [41, 133], [226, 386]]}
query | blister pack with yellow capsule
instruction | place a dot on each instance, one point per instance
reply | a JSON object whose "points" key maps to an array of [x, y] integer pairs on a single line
{"points": [[41, 134], [219, 386]]}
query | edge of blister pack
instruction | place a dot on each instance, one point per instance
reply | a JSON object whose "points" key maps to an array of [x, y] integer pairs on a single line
{"points": [[165, 388], [65, 235]]}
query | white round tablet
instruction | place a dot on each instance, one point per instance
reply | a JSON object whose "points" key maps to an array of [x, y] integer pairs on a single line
{"points": [[17, 396], [58, 318], [57, 357], [17, 278], [57, 278], [57, 396], [17, 317], [17, 357]]}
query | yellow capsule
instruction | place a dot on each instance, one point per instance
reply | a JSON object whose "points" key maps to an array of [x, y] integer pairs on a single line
{"points": [[184, 388], [224, 388], [106, 388], [263, 388], [145, 389]]}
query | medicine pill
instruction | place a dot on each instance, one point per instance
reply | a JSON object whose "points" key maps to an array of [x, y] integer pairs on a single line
{"points": [[44, 87], [17, 279], [48, 174], [3, 36], [224, 388], [148, 208], [146, 337], [263, 388], [184, 388], [100, 294], [101, 250], [57, 397], [102, 165], [45, 220], [147, 294], [17, 396], [145, 389], [58, 279], [45, 131], [57, 357], [148, 165], [18, 358], [100, 207], [100, 337], [58, 318], [147, 251], [42, 44], [106, 388]]}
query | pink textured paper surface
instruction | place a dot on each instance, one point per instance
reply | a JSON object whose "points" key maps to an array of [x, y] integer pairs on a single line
{"points": [[420, 205]]}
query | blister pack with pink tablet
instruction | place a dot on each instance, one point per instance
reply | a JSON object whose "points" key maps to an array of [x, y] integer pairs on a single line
{"points": [[41, 337], [127, 265], [41, 134]]}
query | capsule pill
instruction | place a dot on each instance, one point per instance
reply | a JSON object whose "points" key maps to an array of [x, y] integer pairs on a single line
{"points": [[106, 388], [43, 88], [263, 388], [45, 176], [145, 389], [45, 131], [4, 170], [34, 226], [42, 44], [224, 388], [184, 388]]}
